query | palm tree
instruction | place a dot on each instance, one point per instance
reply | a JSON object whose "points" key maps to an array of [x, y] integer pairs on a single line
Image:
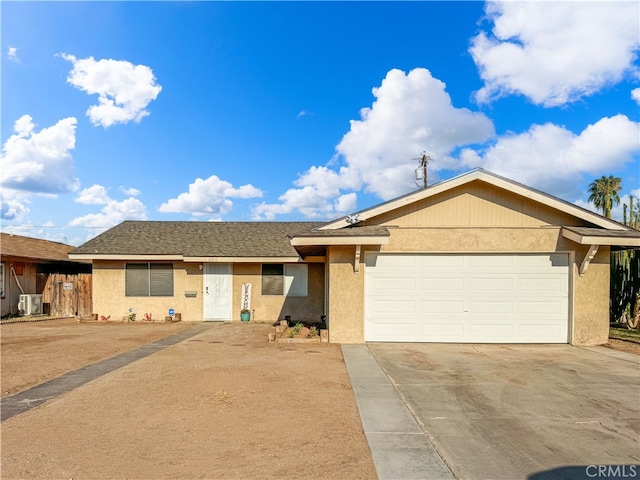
{"points": [[604, 192]]}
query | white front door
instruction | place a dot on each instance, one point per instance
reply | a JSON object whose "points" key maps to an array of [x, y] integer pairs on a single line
{"points": [[217, 291]]}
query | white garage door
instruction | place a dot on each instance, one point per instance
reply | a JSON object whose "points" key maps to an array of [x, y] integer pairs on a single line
{"points": [[467, 298]]}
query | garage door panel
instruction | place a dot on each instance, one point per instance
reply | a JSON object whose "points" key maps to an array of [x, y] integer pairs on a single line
{"points": [[442, 306], [391, 306], [485, 332], [539, 332], [491, 307], [441, 284], [493, 262], [467, 298], [444, 332], [536, 261], [487, 285], [559, 260], [541, 308], [386, 261], [393, 283], [395, 332], [435, 262], [544, 285]]}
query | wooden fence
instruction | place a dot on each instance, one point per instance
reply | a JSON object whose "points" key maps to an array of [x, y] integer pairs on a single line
{"points": [[68, 295]]}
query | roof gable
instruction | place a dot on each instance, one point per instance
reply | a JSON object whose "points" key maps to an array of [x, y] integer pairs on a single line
{"points": [[547, 206], [475, 204]]}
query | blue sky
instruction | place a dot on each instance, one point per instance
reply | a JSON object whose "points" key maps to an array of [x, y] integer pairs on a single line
{"points": [[244, 111]]}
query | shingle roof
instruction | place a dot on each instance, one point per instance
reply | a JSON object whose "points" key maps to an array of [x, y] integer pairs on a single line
{"points": [[198, 239], [35, 248]]}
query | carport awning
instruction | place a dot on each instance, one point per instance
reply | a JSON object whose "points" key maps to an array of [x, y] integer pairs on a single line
{"points": [[599, 236]]}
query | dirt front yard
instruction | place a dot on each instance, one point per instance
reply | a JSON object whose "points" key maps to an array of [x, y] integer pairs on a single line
{"points": [[224, 404], [33, 352]]}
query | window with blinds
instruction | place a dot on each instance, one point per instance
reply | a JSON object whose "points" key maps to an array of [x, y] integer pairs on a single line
{"points": [[272, 279], [149, 280], [280, 279]]}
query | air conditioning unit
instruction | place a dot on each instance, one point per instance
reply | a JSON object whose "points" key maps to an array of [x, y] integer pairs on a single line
{"points": [[30, 304]]}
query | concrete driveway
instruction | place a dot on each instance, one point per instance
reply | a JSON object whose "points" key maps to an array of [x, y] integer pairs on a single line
{"points": [[537, 411]]}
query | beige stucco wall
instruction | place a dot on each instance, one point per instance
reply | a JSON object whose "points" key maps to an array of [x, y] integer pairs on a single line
{"points": [[591, 299], [270, 308], [346, 296], [477, 219], [109, 293]]}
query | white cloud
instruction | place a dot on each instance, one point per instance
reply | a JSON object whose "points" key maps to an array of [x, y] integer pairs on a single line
{"points": [[93, 195], [113, 213], [318, 196], [268, 211], [130, 191], [411, 113], [39, 162], [124, 90], [321, 200], [554, 159], [12, 209], [635, 94], [12, 53], [304, 113], [555, 52], [210, 197]]}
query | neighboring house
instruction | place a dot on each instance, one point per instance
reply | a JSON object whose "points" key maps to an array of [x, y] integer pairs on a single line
{"points": [[26, 264], [477, 258]]}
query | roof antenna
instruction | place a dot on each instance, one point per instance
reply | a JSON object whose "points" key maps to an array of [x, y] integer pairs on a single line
{"points": [[421, 172]]}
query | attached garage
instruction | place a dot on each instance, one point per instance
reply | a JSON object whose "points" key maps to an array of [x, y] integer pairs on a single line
{"points": [[477, 258], [475, 298]]}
